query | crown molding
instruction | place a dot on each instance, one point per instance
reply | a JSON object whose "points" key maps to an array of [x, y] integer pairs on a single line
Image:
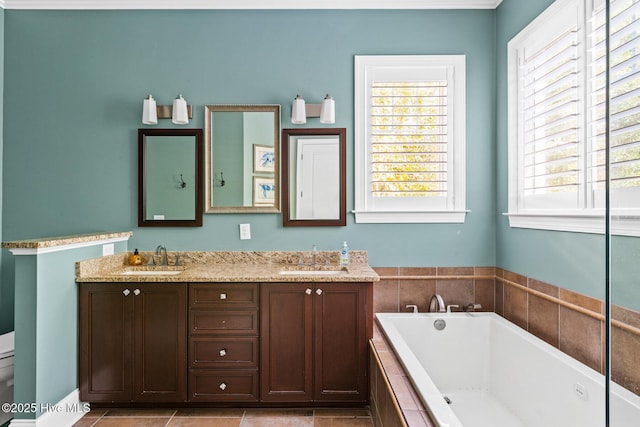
{"points": [[248, 4]]}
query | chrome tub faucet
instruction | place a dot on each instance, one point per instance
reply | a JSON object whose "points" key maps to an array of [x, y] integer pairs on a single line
{"points": [[436, 304]]}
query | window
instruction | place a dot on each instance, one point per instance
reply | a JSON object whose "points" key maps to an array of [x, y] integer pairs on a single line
{"points": [[557, 118], [410, 138]]}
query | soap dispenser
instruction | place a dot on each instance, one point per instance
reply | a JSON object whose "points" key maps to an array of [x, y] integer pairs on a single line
{"points": [[344, 255], [135, 258]]}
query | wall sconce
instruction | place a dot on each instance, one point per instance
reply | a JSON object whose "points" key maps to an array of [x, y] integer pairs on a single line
{"points": [[179, 112], [301, 110]]}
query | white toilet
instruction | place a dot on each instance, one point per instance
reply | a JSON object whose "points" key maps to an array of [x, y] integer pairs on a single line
{"points": [[7, 343]]}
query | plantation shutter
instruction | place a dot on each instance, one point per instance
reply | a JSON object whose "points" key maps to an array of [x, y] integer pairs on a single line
{"points": [[624, 93], [549, 109], [409, 138]]}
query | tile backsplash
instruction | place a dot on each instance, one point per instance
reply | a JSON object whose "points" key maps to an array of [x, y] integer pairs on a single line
{"points": [[570, 321]]}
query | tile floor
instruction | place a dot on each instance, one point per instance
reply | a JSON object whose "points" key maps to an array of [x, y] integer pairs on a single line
{"points": [[223, 417]]}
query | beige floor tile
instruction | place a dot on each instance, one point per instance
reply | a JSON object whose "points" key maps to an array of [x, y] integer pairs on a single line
{"points": [[85, 422], [341, 412], [131, 422], [204, 422], [266, 421], [343, 422], [140, 412], [95, 413], [210, 412], [278, 412]]}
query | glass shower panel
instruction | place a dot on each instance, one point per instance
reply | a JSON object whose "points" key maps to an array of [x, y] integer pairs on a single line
{"points": [[623, 181]]}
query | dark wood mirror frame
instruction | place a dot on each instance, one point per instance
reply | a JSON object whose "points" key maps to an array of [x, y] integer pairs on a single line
{"points": [[198, 174], [287, 219]]}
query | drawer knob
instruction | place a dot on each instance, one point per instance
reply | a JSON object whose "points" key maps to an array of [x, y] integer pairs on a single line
{"points": [[319, 291], [136, 292], [126, 292], [223, 386], [308, 291], [223, 352], [223, 295]]}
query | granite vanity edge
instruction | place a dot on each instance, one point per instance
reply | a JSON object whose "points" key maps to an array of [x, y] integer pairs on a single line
{"points": [[50, 242]]}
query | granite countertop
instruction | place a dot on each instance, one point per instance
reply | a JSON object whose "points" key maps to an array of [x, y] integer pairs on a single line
{"points": [[50, 242], [230, 267]]}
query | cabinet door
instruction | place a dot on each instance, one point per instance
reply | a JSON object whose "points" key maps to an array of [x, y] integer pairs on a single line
{"points": [[341, 335], [286, 342], [160, 342], [105, 342]]}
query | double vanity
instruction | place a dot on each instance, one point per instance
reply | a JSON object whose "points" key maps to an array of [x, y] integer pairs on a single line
{"points": [[228, 328]]}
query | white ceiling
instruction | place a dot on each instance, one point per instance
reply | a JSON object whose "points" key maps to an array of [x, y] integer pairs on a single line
{"points": [[249, 4]]}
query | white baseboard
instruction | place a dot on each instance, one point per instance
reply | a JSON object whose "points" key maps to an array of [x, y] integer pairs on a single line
{"points": [[64, 413]]}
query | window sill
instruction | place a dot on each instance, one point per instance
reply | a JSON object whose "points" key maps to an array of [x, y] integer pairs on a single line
{"points": [[433, 217], [622, 225]]}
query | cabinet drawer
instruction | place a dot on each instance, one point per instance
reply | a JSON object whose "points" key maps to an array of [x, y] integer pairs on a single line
{"points": [[223, 385], [223, 322], [211, 352], [219, 295]]}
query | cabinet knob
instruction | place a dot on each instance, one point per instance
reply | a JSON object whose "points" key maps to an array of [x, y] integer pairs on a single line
{"points": [[223, 386], [126, 292], [308, 291], [223, 295], [223, 352], [318, 291], [136, 292]]}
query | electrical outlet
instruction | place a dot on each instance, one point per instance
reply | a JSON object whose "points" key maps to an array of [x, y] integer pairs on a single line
{"points": [[107, 249], [245, 231]]}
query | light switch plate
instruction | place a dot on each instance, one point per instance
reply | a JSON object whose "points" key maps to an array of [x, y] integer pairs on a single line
{"points": [[245, 231]]}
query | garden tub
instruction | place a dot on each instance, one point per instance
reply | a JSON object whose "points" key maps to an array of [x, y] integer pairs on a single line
{"points": [[480, 370]]}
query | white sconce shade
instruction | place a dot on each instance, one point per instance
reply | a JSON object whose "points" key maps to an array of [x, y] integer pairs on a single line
{"points": [[328, 110], [149, 111], [180, 115], [298, 111]]}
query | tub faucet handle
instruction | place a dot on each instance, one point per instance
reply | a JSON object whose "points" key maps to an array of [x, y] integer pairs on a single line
{"points": [[413, 306], [450, 306], [472, 307]]}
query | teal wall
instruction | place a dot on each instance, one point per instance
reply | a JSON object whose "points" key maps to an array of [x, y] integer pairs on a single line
{"points": [[73, 166], [47, 325], [574, 261]]}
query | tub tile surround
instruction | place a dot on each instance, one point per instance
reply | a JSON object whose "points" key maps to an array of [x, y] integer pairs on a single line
{"points": [[571, 322], [393, 401]]}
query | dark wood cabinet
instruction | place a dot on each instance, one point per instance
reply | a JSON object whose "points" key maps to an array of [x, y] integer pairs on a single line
{"points": [[223, 342], [314, 342], [268, 344], [132, 342]]}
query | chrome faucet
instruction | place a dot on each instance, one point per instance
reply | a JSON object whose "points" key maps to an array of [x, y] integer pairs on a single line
{"points": [[436, 305], [161, 250]]}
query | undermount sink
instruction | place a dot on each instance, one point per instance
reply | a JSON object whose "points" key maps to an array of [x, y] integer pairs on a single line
{"points": [[150, 272]]}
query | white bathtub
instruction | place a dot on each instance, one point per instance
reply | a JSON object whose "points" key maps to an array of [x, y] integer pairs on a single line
{"points": [[495, 374]]}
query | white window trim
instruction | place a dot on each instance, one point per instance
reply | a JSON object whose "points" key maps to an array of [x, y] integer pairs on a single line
{"points": [[363, 212], [625, 222]]}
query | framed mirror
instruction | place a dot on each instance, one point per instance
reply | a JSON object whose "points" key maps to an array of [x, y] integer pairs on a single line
{"points": [[242, 152], [314, 177], [170, 177]]}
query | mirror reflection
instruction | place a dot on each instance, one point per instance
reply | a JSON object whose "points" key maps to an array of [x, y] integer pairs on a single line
{"points": [[314, 184], [169, 177], [241, 153]]}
